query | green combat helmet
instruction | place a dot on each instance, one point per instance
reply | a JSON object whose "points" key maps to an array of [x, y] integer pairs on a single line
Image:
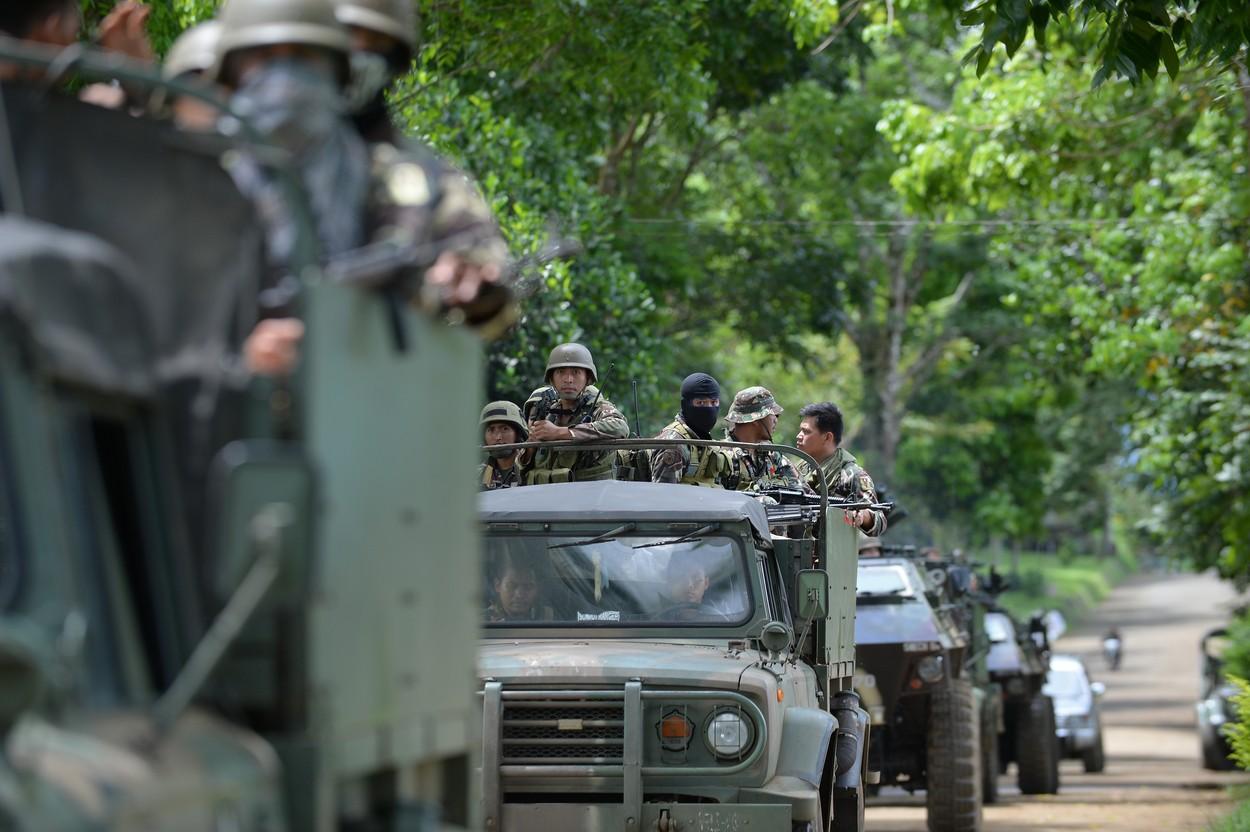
{"points": [[194, 52], [571, 355], [752, 404], [396, 18], [509, 414], [246, 24]]}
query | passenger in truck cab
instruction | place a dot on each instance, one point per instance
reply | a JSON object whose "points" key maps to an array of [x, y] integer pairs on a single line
{"points": [[517, 595]]}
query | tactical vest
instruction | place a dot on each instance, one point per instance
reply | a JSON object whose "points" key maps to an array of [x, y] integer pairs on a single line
{"points": [[566, 465], [706, 465]]}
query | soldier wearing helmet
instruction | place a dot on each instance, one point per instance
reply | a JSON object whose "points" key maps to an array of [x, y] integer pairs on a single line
{"points": [[384, 37], [570, 408], [501, 425], [193, 56], [752, 418]]}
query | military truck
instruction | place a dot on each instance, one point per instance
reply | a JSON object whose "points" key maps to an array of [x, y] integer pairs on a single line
{"points": [[910, 671], [225, 605], [1018, 664], [655, 657]]}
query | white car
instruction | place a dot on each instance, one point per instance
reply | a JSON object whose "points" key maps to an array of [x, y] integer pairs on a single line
{"points": [[1078, 720]]}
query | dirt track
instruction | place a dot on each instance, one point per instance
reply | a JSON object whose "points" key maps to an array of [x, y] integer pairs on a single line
{"points": [[1154, 779]]}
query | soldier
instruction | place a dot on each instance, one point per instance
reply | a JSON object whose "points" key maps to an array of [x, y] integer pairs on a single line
{"points": [[820, 436], [384, 36], [517, 596], [570, 407], [502, 425], [287, 62], [193, 55], [752, 418], [700, 408]]}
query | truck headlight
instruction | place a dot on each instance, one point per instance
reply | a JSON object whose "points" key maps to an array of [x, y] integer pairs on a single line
{"points": [[729, 734], [929, 669]]}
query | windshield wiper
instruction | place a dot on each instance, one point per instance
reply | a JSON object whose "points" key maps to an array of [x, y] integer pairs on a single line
{"points": [[684, 538], [603, 538]]}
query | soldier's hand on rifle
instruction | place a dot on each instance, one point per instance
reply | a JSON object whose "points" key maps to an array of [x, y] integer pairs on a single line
{"points": [[544, 431], [459, 280], [862, 519], [273, 347]]}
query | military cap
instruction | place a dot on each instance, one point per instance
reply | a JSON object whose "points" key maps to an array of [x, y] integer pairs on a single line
{"points": [[571, 355], [866, 542], [752, 404], [508, 413]]}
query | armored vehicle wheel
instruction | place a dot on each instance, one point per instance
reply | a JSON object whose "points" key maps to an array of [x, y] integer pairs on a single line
{"points": [[989, 754], [1094, 759], [1037, 747], [1215, 754], [953, 778]]}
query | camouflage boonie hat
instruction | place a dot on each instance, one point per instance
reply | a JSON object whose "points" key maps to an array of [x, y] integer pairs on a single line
{"points": [[752, 404]]}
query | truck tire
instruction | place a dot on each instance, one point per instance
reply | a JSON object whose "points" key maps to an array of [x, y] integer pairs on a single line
{"points": [[989, 753], [953, 766], [1094, 758], [1037, 747], [848, 812]]}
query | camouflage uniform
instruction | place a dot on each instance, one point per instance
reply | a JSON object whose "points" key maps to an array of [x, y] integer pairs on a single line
{"points": [[492, 477], [592, 418], [539, 612], [846, 480], [752, 470], [686, 464]]}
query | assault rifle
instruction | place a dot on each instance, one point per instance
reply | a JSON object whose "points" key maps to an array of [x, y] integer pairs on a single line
{"points": [[794, 505]]}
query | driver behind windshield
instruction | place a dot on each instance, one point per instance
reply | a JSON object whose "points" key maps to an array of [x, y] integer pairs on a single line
{"points": [[517, 596], [686, 582]]}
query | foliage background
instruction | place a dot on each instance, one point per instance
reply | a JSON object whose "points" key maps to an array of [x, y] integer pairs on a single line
{"points": [[1023, 278]]}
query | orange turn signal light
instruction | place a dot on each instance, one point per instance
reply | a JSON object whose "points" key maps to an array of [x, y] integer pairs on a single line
{"points": [[676, 727]]}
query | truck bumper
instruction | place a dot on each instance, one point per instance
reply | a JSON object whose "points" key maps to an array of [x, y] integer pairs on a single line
{"points": [[655, 817]]}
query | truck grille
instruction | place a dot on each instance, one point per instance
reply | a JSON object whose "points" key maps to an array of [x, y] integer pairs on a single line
{"points": [[567, 732]]}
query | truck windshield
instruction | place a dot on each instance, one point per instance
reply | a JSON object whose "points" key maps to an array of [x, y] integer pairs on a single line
{"points": [[886, 579], [634, 580]]}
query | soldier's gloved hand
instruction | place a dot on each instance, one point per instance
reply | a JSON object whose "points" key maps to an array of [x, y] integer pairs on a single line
{"points": [[544, 431], [124, 31], [273, 347], [459, 280]]}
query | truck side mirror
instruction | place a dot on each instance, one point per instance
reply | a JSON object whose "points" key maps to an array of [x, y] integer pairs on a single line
{"points": [[257, 479], [812, 591]]}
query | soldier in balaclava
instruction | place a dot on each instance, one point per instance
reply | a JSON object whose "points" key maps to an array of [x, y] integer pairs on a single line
{"points": [[692, 465]]}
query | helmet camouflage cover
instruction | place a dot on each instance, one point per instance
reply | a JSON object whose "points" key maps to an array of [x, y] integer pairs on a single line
{"points": [[571, 355], [246, 24], [397, 18], [752, 404], [505, 412]]}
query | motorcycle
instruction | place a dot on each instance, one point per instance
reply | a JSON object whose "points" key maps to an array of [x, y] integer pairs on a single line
{"points": [[1112, 651]]}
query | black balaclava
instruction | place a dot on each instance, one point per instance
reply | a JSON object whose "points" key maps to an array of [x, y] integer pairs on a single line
{"points": [[700, 419]]}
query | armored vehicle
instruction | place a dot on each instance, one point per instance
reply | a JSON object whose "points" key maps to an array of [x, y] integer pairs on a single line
{"points": [[213, 588], [1018, 664], [656, 658], [1216, 708], [910, 653]]}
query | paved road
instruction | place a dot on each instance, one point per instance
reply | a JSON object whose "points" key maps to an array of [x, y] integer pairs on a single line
{"points": [[1154, 780]]}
